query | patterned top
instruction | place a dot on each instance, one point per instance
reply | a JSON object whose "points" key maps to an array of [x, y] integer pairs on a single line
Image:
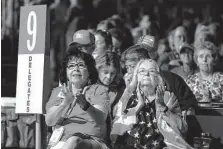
{"points": [[214, 86], [145, 134]]}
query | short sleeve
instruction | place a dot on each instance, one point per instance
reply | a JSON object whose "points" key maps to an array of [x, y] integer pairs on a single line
{"points": [[98, 97], [54, 99]]}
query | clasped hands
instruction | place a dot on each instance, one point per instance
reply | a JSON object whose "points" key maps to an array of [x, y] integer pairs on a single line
{"points": [[73, 95]]}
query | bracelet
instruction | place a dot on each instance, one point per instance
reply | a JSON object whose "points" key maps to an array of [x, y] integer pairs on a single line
{"points": [[86, 106]]}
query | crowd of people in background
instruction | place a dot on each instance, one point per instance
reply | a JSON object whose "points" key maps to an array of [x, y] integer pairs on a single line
{"points": [[125, 77]]}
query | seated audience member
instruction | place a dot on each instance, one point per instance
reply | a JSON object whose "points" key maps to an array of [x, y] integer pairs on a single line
{"points": [[145, 109], [78, 108], [188, 68], [219, 63], [130, 58], [164, 52], [117, 41], [103, 43], [105, 25], [170, 39], [84, 40], [180, 36], [109, 75], [207, 84], [175, 83]]}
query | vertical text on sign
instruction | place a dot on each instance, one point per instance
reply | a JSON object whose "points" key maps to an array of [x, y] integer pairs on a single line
{"points": [[31, 30]]}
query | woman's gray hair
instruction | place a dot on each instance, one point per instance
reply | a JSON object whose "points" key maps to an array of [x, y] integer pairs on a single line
{"points": [[206, 45]]}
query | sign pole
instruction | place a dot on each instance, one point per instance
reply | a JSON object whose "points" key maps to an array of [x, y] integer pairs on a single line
{"points": [[38, 132]]}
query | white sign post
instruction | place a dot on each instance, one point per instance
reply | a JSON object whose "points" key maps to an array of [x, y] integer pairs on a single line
{"points": [[33, 82]]}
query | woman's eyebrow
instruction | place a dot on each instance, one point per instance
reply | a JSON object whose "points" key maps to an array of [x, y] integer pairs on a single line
{"points": [[142, 69]]}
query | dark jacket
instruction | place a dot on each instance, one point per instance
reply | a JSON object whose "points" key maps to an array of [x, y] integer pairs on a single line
{"points": [[176, 84]]}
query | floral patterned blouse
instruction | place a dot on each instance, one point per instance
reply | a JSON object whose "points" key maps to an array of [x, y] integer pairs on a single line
{"points": [[214, 86], [145, 134]]}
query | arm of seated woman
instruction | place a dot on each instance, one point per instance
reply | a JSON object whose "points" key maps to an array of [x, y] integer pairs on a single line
{"points": [[97, 105], [98, 113], [54, 114], [54, 107]]}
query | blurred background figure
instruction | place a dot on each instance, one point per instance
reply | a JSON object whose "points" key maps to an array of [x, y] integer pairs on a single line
{"points": [[84, 40], [58, 10], [117, 41], [188, 67], [78, 17], [103, 43]]}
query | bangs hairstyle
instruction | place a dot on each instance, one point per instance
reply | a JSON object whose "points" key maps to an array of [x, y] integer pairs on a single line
{"points": [[206, 45], [106, 35], [73, 52], [109, 59], [140, 52]]}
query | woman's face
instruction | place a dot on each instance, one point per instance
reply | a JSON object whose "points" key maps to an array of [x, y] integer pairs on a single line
{"points": [[187, 56], [145, 22], [131, 62], [107, 74], [116, 46], [147, 76], [77, 72], [100, 44], [205, 60], [180, 37], [171, 42]]}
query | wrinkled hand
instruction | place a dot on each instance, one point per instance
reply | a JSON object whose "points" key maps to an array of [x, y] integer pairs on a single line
{"points": [[69, 97], [127, 77], [159, 102], [81, 100], [134, 81], [170, 100]]}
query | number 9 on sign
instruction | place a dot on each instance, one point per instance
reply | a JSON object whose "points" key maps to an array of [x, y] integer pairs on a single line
{"points": [[31, 29]]}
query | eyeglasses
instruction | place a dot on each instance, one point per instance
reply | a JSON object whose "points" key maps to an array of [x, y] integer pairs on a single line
{"points": [[144, 72], [79, 65]]}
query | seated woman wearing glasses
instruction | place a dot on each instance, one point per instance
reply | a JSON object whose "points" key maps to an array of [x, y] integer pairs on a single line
{"points": [[207, 84], [151, 116], [78, 109]]}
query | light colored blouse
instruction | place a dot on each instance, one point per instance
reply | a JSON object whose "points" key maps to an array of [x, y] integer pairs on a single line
{"points": [[214, 86]]}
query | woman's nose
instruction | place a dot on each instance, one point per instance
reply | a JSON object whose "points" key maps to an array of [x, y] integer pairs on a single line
{"points": [[205, 59], [76, 68], [108, 76]]}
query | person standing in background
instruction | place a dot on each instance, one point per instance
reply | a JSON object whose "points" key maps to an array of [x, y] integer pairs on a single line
{"points": [[76, 19], [58, 10], [103, 43]]}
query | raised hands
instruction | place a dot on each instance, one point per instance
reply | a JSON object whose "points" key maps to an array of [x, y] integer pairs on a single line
{"points": [[165, 99], [69, 93], [81, 100], [134, 81]]}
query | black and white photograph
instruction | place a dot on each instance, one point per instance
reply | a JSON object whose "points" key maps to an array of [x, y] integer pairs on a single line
{"points": [[111, 74]]}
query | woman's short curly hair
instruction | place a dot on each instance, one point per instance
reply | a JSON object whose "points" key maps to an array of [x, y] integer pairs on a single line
{"points": [[206, 45], [72, 52]]}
